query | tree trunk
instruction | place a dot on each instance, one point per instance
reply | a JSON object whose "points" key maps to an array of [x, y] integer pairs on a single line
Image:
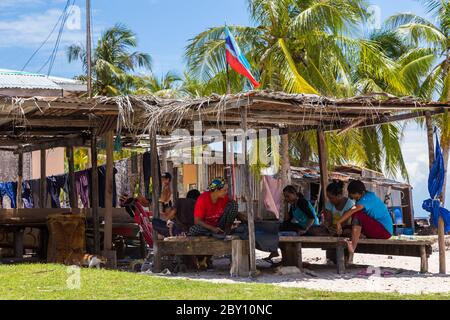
{"points": [[429, 125]]}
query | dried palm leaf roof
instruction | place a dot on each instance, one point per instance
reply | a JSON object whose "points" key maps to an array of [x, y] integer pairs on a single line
{"points": [[32, 120]]}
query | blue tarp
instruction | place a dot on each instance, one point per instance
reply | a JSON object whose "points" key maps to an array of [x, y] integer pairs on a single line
{"points": [[435, 185]]}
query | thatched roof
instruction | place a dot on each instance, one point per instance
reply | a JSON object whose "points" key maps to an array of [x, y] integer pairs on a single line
{"points": [[33, 120]]}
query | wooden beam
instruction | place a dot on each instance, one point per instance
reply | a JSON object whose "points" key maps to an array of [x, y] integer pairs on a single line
{"points": [[19, 180], [442, 247], [323, 162], [94, 192], [72, 192], [52, 144], [352, 125], [155, 197], [60, 122], [43, 181], [248, 198], [109, 176]]}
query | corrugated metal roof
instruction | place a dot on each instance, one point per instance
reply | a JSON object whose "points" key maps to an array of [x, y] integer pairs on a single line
{"points": [[24, 80]]}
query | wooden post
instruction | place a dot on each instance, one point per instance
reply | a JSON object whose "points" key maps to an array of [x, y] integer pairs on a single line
{"points": [[441, 240], [72, 194], [43, 181], [285, 170], [107, 243], [19, 201], [175, 192], [323, 162], [18, 243], [155, 198], [94, 193], [423, 260], [441, 227], [248, 196], [89, 47], [239, 258]]}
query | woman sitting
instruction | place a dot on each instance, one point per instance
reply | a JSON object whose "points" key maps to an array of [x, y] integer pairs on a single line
{"points": [[214, 212], [302, 217], [336, 206], [370, 216]]}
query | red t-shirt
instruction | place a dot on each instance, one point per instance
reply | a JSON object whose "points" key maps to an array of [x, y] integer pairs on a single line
{"points": [[209, 212]]}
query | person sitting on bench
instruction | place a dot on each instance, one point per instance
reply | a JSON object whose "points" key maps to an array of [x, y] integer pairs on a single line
{"points": [[336, 206], [302, 217], [214, 212], [370, 216], [177, 220]]}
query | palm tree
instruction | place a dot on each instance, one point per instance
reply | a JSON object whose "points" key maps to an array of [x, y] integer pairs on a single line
{"points": [[113, 60], [307, 46], [434, 37], [164, 87]]}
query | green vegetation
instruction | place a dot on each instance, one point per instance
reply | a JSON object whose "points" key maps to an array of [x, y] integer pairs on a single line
{"points": [[47, 282]]}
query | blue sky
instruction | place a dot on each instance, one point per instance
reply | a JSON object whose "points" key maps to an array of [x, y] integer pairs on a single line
{"points": [[163, 28]]}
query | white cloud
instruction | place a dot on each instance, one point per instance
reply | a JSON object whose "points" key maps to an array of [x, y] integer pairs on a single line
{"points": [[30, 30]]}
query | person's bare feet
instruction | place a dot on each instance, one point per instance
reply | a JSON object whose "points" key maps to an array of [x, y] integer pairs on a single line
{"points": [[350, 246]]}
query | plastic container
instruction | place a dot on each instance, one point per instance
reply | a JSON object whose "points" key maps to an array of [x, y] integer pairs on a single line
{"points": [[397, 215]]}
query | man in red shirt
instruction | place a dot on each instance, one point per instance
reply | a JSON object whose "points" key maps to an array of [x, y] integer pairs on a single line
{"points": [[214, 212]]}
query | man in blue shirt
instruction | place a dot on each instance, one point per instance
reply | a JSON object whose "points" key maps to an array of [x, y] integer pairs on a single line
{"points": [[370, 216]]}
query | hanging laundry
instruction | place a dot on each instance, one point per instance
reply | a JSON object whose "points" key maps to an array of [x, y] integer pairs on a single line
{"points": [[27, 195], [54, 186], [102, 185], [9, 189], [35, 190], [272, 194], [82, 187], [122, 178]]}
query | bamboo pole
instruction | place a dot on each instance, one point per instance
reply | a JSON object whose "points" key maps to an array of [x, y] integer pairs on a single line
{"points": [[43, 181], [323, 162], [285, 169], [89, 48], [109, 190], [248, 197], [19, 201], [72, 194], [429, 125], [94, 192], [155, 198]]}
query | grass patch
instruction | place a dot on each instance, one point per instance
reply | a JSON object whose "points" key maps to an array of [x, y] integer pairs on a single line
{"points": [[49, 281]]}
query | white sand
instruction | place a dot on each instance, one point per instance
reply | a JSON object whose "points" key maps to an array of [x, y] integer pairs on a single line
{"points": [[391, 274]]}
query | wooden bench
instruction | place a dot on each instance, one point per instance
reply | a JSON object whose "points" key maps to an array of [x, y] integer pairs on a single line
{"points": [[291, 248], [208, 246]]}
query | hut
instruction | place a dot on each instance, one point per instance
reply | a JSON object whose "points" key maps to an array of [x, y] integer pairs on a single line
{"points": [[30, 124]]}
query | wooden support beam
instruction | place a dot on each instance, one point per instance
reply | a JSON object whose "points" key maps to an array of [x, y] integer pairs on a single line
{"points": [[43, 181], [323, 162], [248, 198], [72, 192], [58, 143], [109, 189], [155, 198], [61, 122], [109, 175], [285, 169], [94, 193], [442, 248], [19, 201], [18, 243]]}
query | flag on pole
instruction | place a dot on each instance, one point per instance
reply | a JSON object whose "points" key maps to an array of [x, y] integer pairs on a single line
{"points": [[236, 58]]}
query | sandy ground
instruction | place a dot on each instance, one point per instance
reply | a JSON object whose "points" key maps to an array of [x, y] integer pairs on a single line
{"points": [[370, 273]]}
